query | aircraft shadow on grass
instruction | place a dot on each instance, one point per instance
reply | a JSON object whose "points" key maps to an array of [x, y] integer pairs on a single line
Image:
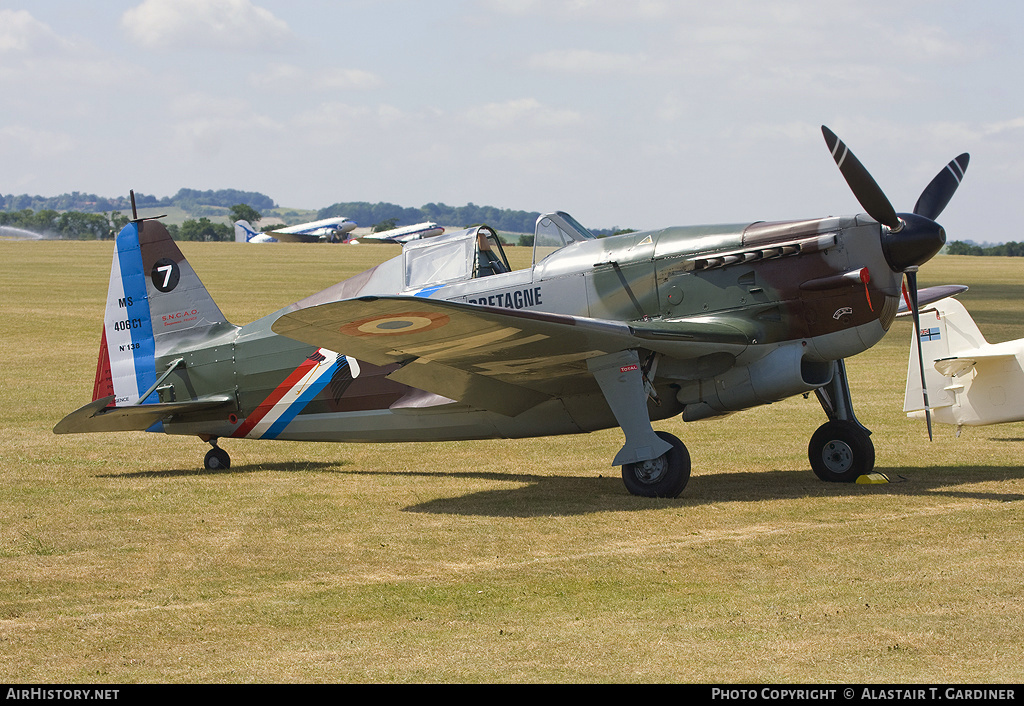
{"points": [[560, 496], [238, 469], [563, 496]]}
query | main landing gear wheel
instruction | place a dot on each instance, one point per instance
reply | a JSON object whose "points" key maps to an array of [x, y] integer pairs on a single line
{"points": [[217, 459], [662, 477], [840, 452]]}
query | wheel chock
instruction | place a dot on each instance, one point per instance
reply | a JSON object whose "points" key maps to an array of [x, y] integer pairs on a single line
{"points": [[872, 479]]}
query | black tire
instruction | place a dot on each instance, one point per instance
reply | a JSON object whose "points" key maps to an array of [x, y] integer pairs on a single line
{"points": [[662, 477], [217, 459], [840, 452]]}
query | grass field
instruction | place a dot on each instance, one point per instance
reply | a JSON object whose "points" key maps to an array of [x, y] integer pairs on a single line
{"points": [[496, 561]]}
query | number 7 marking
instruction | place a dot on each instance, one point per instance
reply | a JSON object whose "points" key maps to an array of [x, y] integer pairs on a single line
{"points": [[166, 269]]}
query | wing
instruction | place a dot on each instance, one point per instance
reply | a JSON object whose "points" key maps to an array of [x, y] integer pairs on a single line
{"points": [[503, 360]]}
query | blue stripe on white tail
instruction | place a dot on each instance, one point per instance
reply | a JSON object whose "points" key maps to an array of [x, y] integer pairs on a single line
{"points": [[129, 326]]}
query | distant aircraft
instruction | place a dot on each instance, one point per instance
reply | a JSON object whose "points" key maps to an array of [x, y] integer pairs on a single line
{"points": [[406, 233], [697, 321], [328, 230], [971, 382]]}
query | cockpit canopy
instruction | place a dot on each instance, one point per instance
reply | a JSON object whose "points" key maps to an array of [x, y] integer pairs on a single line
{"points": [[477, 252], [556, 230], [465, 254]]}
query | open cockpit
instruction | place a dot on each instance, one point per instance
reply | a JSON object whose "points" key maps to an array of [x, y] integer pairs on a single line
{"points": [[477, 252]]}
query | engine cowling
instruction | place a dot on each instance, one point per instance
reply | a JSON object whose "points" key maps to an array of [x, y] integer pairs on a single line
{"points": [[782, 373]]}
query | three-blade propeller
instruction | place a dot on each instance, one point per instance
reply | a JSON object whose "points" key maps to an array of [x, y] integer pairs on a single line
{"points": [[908, 240]]}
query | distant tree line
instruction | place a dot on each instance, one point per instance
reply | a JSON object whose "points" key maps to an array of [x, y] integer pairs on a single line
{"points": [[88, 216], [189, 200], [75, 225], [502, 219], [201, 229], [69, 225], [1010, 249], [369, 214]]}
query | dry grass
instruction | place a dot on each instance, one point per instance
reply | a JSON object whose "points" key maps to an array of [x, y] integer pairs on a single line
{"points": [[510, 561]]}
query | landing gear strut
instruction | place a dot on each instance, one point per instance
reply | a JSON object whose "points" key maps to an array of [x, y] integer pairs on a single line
{"points": [[216, 458], [840, 450]]}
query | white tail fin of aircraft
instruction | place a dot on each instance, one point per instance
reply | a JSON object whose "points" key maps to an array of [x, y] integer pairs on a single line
{"points": [[245, 233], [327, 230], [971, 382]]}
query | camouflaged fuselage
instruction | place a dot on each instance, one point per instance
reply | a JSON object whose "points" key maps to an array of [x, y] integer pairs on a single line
{"points": [[740, 314]]}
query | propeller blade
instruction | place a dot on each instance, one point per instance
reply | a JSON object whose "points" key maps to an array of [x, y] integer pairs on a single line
{"points": [[941, 189], [911, 274], [864, 187]]}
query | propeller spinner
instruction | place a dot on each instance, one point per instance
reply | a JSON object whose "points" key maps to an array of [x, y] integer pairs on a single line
{"points": [[908, 239]]}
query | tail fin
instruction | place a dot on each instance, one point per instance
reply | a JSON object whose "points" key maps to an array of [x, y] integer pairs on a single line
{"points": [[244, 232], [154, 302], [947, 331]]}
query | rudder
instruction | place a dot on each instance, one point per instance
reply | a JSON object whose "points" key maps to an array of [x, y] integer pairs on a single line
{"points": [[155, 300], [947, 331], [244, 232]]}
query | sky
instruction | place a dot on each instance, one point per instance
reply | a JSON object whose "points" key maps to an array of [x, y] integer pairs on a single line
{"points": [[637, 114]]}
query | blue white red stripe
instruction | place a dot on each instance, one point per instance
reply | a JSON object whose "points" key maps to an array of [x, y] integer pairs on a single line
{"points": [[289, 398]]}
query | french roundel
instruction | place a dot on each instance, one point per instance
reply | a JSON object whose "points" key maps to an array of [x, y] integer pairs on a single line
{"points": [[396, 324]]}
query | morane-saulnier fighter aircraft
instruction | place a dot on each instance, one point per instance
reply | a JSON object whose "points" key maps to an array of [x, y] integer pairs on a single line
{"points": [[444, 342]]}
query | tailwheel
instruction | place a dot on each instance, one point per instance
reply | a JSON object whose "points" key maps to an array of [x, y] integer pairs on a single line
{"points": [[841, 451], [217, 459], [661, 477]]}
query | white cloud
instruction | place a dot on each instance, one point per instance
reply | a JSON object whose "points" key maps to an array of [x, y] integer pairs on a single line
{"points": [[998, 128], [20, 142], [602, 10], [21, 32], [207, 24], [589, 61], [528, 111], [47, 76], [537, 156], [341, 78], [291, 78]]}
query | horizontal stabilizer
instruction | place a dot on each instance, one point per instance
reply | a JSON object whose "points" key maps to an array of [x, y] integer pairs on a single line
{"points": [[961, 365], [955, 366], [97, 416]]}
